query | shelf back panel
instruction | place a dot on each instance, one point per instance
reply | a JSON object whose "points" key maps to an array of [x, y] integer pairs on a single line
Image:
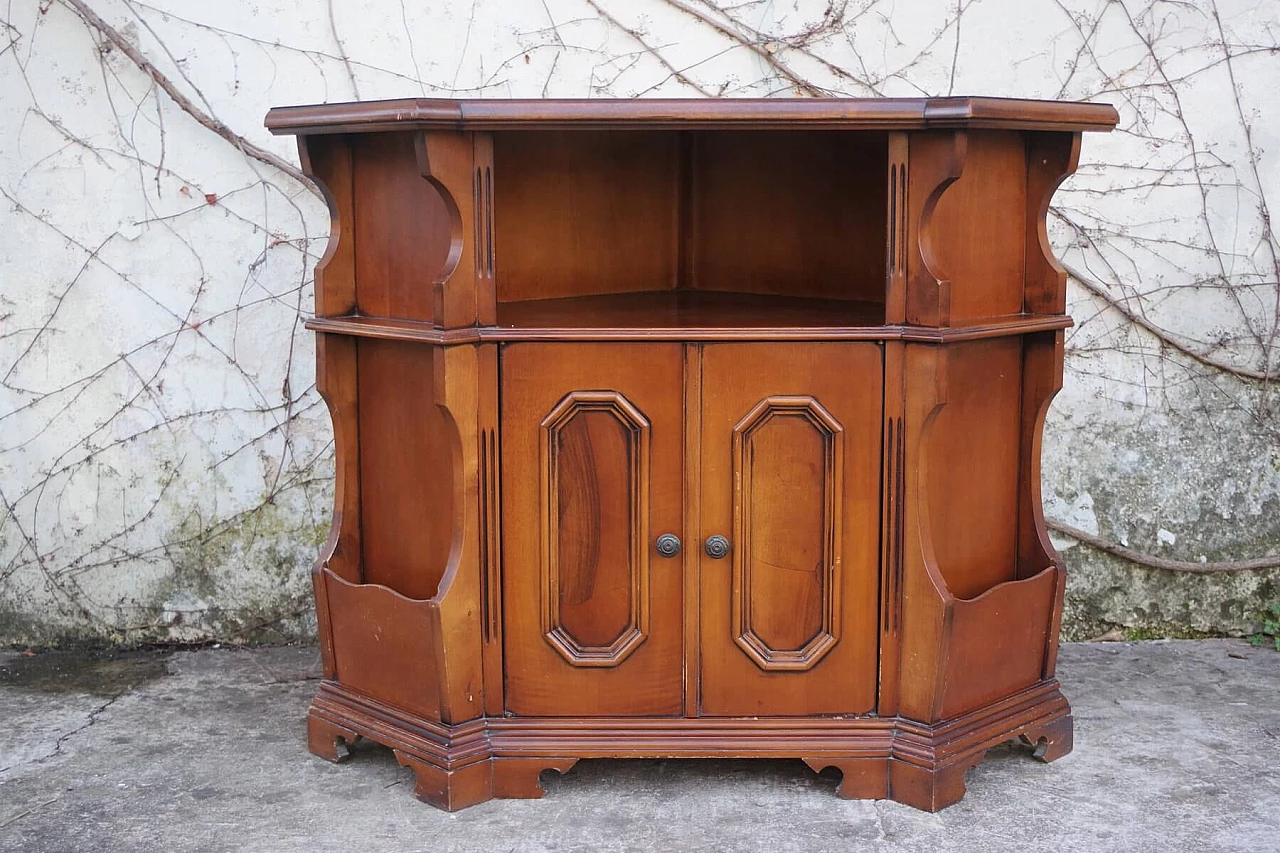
{"points": [[789, 213], [584, 212], [768, 213]]}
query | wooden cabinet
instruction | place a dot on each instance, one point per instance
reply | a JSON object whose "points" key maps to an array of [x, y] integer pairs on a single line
{"points": [[689, 428]]}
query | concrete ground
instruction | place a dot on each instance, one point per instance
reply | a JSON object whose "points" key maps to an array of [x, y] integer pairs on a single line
{"points": [[1177, 749]]}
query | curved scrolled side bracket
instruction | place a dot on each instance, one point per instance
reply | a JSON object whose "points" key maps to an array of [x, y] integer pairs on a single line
{"points": [[336, 382], [931, 367], [446, 390], [1047, 553], [1051, 159], [920, 500], [327, 162], [436, 174], [938, 161], [1042, 365]]}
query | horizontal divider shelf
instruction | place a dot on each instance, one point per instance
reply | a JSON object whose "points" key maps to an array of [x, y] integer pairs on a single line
{"points": [[406, 330]]}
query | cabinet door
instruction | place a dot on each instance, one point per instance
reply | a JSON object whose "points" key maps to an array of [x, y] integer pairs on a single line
{"points": [[592, 473], [790, 476]]}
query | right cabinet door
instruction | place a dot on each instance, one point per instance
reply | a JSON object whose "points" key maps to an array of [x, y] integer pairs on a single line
{"points": [[790, 509]]}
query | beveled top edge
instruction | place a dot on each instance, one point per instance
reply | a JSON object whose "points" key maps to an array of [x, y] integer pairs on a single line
{"points": [[703, 113]]}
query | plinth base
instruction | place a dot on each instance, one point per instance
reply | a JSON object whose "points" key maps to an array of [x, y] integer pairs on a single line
{"points": [[880, 758]]}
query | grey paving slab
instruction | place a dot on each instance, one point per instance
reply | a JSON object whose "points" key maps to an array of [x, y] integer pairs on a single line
{"points": [[1177, 749]]}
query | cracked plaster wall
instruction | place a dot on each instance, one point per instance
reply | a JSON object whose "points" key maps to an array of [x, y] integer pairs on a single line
{"points": [[165, 462]]}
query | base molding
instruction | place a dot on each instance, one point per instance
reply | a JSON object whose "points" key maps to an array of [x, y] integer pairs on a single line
{"points": [[915, 763]]}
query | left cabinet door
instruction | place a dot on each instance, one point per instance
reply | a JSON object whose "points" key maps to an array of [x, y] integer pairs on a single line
{"points": [[592, 475]]}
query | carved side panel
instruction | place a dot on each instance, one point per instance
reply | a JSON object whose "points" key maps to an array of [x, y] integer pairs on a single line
{"points": [[977, 229], [462, 286], [1051, 158], [406, 234], [595, 504], [327, 160], [937, 159], [789, 479]]}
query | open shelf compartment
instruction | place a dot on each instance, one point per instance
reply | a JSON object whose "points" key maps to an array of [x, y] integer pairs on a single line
{"points": [[690, 229]]}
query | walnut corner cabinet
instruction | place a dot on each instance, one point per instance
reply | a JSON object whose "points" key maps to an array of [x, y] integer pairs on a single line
{"points": [[689, 429]]}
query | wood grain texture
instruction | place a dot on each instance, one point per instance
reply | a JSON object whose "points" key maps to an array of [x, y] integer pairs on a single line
{"points": [[1051, 159], [605, 483], [786, 213], [1042, 363], [996, 644], [788, 475], [591, 213], [406, 469], [936, 161], [846, 380], [688, 310], [337, 370], [594, 479], [404, 231], [445, 162], [973, 463], [977, 228], [460, 374], [328, 161], [370, 623]]}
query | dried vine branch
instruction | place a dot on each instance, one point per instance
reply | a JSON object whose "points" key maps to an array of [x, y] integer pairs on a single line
{"points": [[1099, 290], [122, 44], [1154, 562], [1136, 264], [639, 38], [752, 45]]}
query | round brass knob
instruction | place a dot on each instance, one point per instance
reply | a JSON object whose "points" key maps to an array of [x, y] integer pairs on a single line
{"points": [[717, 546], [668, 544]]}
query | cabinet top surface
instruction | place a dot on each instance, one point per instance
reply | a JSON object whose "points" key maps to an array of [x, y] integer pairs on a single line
{"points": [[693, 113]]}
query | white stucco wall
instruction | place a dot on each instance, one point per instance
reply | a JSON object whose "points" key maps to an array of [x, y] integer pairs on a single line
{"points": [[165, 460]]}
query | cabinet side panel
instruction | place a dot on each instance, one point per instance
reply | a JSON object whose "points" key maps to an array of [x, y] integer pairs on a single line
{"points": [[328, 160], [978, 228], [973, 467], [584, 212], [403, 231], [405, 469]]}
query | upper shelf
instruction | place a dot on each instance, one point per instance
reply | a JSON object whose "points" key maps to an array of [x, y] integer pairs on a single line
{"points": [[684, 316], [693, 113]]}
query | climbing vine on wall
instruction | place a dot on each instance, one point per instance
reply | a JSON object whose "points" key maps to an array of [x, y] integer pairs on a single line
{"points": [[165, 463]]}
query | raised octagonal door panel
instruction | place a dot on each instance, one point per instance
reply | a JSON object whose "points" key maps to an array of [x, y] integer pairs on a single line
{"points": [[592, 463], [790, 476]]}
